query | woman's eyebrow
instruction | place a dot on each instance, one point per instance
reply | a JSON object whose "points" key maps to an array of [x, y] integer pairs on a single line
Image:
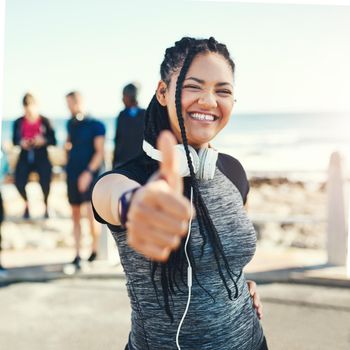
{"points": [[200, 81], [224, 83]]}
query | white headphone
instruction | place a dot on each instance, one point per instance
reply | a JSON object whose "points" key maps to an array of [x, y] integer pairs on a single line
{"points": [[204, 162]]}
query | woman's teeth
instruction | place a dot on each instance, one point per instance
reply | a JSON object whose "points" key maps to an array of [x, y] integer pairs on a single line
{"points": [[199, 116]]}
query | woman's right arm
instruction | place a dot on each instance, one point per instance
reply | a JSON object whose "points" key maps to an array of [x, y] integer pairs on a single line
{"points": [[106, 193], [159, 213]]}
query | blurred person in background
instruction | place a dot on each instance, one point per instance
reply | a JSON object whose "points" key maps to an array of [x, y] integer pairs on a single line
{"points": [[2, 270], [85, 160], [3, 173], [33, 133], [129, 128]]}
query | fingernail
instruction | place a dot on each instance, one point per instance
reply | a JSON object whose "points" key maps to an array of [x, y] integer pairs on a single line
{"points": [[183, 226], [175, 241]]}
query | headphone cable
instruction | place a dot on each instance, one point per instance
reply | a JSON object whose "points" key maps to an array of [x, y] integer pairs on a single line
{"points": [[189, 275]]}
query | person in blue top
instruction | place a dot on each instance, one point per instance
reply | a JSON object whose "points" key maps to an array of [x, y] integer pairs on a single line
{"points": [[85, 155], [129, 128]]}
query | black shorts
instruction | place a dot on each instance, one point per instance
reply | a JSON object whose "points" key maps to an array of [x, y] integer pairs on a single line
{"points": [[75, 197]]}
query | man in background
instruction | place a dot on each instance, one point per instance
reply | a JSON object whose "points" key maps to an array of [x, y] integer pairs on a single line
{"points": [[85, 156], [129, 128]]}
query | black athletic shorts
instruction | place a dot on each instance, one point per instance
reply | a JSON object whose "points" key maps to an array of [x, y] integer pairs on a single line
{"points": [[75, 197]]}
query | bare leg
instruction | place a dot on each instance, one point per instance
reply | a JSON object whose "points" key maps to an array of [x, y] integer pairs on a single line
{"points": [[76, 227], [21, 179], [95, 227]]}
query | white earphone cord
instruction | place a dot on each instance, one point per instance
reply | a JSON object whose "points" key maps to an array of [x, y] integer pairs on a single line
{"points": [[189, 274]]}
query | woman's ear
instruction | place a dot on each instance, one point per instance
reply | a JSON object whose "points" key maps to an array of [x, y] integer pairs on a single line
{"points": [[161, 93]]}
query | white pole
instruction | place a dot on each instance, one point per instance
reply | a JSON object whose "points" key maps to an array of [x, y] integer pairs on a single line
{"points": [[337, 240], [2, 57], [107, 249], [348, 250]]}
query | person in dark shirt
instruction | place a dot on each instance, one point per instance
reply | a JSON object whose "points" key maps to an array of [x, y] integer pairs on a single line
{"points": [[3, 173], [1, 220], [129, 128], [33, 133], [85, 155]]}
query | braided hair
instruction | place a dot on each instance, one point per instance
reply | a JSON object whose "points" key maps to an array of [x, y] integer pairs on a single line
{"points": [[180, 57]]}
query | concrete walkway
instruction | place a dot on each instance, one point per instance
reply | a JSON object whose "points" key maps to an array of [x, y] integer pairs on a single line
{"points": [[94, 314], [304, 306]]}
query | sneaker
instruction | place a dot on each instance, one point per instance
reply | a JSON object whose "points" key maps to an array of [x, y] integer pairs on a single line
{"points": [[76, 262], [3, 271], [26, 213], [92, 257]]}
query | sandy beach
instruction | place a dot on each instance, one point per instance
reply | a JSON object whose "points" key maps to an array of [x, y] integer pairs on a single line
{"points": [[285, 213], [289, 213]]}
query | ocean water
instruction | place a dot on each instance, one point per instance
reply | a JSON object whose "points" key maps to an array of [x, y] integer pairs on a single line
{"points": [[297, 145], [287, 143]]}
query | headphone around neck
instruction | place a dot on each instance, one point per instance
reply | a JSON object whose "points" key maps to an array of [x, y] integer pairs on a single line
{"points": [[204, 162]]}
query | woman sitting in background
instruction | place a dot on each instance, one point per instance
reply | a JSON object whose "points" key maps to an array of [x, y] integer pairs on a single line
{"points": [[33, 133]]}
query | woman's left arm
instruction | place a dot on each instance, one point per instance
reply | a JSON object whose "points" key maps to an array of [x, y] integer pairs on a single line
{"points": [[256, 298], [50, 134]]}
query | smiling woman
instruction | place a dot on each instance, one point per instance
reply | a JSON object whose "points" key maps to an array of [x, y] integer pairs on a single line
{"points": [[150, 211], [207, 98]]}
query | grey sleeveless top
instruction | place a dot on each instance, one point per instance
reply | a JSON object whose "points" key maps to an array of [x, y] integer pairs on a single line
{"points": [[210, 324]]}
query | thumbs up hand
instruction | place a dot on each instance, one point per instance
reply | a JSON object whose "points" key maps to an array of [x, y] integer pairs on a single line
{"points": [[169, 167], [159, 212]]}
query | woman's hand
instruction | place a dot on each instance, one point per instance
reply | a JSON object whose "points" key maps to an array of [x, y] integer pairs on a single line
{"points": [[159, 213], [25, 144], [256, 299], [39, 141], [68, 146]]}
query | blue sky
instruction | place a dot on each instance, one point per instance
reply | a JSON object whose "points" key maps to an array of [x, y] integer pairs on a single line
{"points": [[290, 58]]}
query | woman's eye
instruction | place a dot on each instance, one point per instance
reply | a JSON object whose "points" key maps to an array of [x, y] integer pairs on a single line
{"points": [[192, 87], [224, 92]]}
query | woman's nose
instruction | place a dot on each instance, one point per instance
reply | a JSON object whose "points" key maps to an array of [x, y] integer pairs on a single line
{"points": [[207, 100]]}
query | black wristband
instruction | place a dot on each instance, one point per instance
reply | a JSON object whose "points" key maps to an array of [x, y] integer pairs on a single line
{"points": [[91, 172], [124, 204]]}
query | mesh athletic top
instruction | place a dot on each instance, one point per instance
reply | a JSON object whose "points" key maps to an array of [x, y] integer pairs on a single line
{"points": [[210, 324]]}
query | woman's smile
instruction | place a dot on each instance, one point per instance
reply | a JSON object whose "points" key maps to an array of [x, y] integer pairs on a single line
{"points": [[202, 118]]}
